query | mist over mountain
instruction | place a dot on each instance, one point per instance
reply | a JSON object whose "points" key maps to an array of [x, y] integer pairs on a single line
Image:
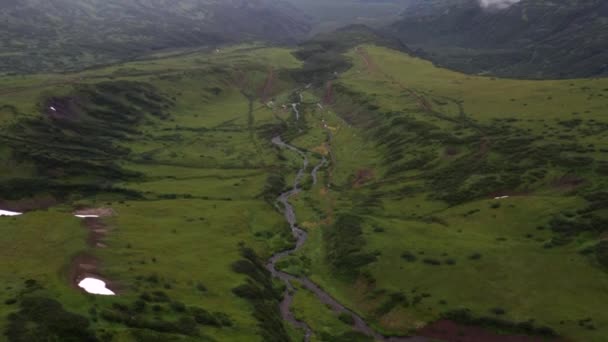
{"points": [[41, 35], [530, 38], [499, 4]]}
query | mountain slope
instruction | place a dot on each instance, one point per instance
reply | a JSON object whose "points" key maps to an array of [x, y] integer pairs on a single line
{"points": [[530, 39], [67, 34]]}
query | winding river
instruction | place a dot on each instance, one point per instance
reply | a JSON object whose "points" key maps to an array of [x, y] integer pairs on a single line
{"points": [[301, 236]]}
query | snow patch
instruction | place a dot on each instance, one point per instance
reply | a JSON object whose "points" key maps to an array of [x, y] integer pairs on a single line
{"points": [[498, 4], [95, 286], [9, 213]]}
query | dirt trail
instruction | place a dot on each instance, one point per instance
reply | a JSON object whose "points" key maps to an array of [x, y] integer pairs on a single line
{"points": [[85, 265], [423, 103], [266, 90], [328, 97]]}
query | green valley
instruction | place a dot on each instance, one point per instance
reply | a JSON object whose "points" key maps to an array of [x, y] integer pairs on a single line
{"points": [[340, 189]]}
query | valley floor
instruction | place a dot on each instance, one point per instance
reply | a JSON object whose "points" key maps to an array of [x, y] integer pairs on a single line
{"points": [[448, 204]]}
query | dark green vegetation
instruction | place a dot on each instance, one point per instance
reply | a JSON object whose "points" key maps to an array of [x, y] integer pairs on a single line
{"points": [[45, 319], [446, 196], [344, 246], [531, 39], [260, 291], [322, 55], [177, 149], [80, 137], [420, 154], [70, 35]]}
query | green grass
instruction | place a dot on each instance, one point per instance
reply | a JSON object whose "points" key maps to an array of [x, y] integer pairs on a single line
{"points": [[557, 287], [188, 187], [202, 174]]}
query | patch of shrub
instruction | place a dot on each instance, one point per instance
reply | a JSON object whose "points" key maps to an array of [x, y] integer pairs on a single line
{"points": [[44, 317], [344, 246], [431, 261], [393, 300], [346, 318], [260, 292], [351, 336], [464, 316], [475, 256], [409, 256]]}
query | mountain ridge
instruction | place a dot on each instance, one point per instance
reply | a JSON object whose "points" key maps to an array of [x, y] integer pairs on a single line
{"points": [[529, 39], [63, 35]]}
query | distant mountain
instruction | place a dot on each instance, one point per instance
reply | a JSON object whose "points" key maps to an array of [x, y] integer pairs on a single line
{"points": [[56, 35], [530, 39]]}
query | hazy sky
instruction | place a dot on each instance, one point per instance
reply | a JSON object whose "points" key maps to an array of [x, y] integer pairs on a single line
{"points": [[497, 3]]}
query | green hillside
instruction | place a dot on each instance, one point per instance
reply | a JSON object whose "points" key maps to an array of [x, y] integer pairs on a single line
{"points": [[404, 225], [530, 39], [59, 35]]}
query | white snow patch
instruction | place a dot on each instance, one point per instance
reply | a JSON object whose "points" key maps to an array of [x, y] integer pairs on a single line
{"points": [[95, 286], [501, 197], [9, 213], [87, 216], [53, 108], [498, 4]]}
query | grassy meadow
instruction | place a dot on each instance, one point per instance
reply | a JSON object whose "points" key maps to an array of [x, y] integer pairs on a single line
{"points": [[438, 147], [403, 224]]}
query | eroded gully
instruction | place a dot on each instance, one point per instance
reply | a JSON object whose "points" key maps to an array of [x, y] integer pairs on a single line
{"points": [[301, 237]]}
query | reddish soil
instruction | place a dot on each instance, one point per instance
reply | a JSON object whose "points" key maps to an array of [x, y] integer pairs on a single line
{"points": [[451, 151], [423, 103], [363, 176], [95, 225], [369, 63], [64, 108], [484, 147], [449, 331], [568, 182], [29, 204], [83, 266], [240, 80], [97, 231], [328, 98], [101, 212], [509, 193], [267, 90]]}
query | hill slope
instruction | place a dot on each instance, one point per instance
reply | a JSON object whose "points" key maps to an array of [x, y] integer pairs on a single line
{"points": [[68, 35], [530, 39]]}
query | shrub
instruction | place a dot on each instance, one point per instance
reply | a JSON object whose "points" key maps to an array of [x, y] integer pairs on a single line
{"points": [[475, 256], [431, 261], [409, 256], [344, 246], [44, 317], [498, 311], [346, 318]]}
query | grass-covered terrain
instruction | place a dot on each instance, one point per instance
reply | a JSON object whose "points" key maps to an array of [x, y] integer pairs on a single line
{"points": [[530, 39], [411, 232], [42, 36], [177, 149], [403, 224]]}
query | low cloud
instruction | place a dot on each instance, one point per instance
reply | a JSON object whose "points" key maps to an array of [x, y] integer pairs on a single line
{"points": [[497, 4]]}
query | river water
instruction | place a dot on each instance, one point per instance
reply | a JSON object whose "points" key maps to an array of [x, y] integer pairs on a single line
{"points": [[301, 237]]}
